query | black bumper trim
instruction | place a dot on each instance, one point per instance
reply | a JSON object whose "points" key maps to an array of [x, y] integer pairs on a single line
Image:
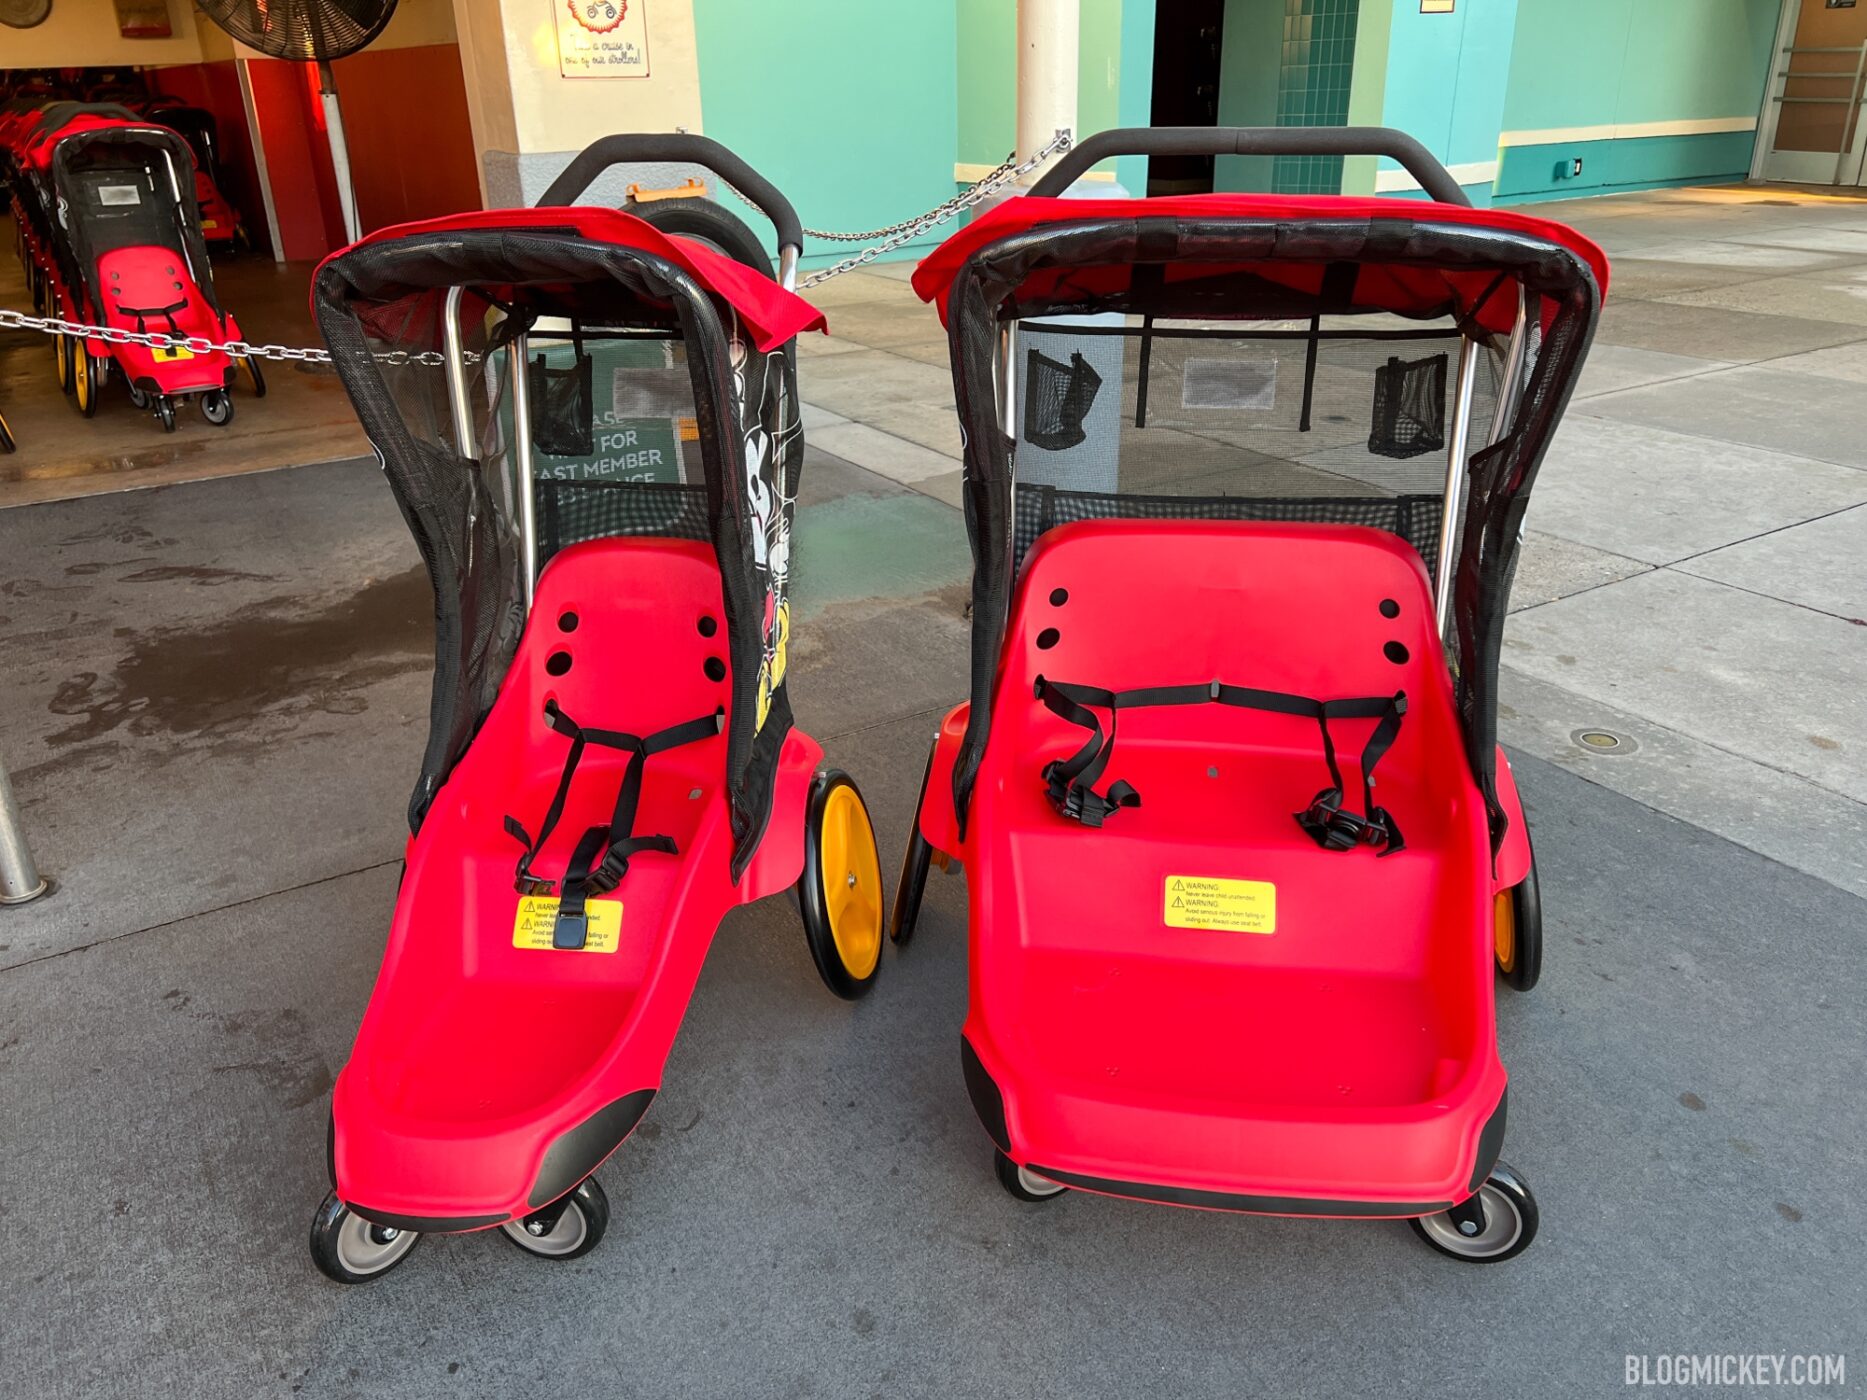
{"points": [[427, 1224], [1226, 1200]]}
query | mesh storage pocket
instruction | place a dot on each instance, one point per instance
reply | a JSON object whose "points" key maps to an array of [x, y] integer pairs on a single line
{"points": [[1409, 407], [1057, 398], [570, 512], [562, 407]]}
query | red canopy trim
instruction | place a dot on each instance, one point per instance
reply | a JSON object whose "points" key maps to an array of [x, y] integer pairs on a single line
{"points": [[773, 314], [1404, 289]]}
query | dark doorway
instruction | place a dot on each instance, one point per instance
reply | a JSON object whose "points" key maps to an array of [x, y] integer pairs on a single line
{"points": [[1188, 37]]}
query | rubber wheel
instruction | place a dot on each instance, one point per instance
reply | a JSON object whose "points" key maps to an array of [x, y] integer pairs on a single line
{"points": [[1510, 1223], [1021, 1184], [85, 382], [1518, 932], [713, 224], [137, 396], [841, 890], [62, 349], [6, 437], [259, 378], [914, 863], [217, 407], [349, 1249], [165, 410], [579, 1229]]}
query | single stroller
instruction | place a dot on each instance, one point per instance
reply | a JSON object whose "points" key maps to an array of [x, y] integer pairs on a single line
{"points": [[1234, 464], [611, 765], [112, 238]]}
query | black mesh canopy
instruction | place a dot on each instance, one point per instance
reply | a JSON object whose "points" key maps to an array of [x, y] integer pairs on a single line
{"points": [[729, 478], [1245, 368]]}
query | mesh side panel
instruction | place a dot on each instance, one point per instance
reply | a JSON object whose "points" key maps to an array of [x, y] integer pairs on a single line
{"points": [[1414, 518], [570, 512], [1301, 421]]}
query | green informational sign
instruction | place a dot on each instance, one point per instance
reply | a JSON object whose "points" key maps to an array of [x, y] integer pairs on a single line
{"points": [[642, 412]]}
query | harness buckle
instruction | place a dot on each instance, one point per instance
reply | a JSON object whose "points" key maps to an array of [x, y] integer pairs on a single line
{"points": [[571, 931]]}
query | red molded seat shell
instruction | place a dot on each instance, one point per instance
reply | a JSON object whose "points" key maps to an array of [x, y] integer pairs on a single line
{"points": [[474, 1055], [1349, 1055]]}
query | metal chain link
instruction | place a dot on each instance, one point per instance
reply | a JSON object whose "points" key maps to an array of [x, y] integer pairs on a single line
{"points": [[890, 238], [895, 235]]}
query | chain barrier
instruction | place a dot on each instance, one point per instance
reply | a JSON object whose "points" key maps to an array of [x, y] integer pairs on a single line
{"points": [[889, 238]]}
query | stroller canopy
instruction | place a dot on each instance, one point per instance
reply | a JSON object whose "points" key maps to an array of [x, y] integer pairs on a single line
{"points": [[1275, 358], [711, 345]]}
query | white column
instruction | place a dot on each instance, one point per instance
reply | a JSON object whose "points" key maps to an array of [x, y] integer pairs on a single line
{"points": [[1047, 52]]}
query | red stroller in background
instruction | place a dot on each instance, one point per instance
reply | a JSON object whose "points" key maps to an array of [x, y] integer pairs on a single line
{"points": [[1234, 466], [611, 764], [221, 225], [111, 237]]}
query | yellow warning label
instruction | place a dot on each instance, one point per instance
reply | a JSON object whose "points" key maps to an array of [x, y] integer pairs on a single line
{"points": [[687, 429], [538, 917], [172, 352], [1235, 906]]}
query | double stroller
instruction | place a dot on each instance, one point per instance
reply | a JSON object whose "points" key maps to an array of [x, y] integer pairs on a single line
{"points": [[110, 235], [611, 765], [1236, 468]]}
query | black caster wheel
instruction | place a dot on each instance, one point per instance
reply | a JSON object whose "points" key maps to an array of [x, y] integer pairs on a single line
{"points": [[914, 863], [349, 1249], [217, 407], [568, 1228], [86, 379], [138, 399], [258, 375], [1496, 1224], [1023, 1184], [1519, 932], [6, 437], [165, 413], [841, 891]]}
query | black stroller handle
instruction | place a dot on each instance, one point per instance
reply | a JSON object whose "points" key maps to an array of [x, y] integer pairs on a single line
{"points": [[656, 146], [1414, 158]]}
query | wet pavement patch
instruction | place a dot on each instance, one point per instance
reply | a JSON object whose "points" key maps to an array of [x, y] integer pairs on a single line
{"points": [[876, 548], [259, 670]]}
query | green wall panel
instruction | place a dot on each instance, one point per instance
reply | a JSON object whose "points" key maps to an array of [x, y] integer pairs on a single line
{"points": [[1528, 172], [854, 122]]}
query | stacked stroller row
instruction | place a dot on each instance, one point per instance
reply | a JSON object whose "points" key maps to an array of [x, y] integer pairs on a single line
{"points": [[1236, 469], [108, 219]]}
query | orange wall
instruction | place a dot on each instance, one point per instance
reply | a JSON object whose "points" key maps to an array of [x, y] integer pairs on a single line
{"points": [[411, 145]]}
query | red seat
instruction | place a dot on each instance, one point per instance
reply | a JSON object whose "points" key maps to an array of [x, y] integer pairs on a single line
{"points": [[1347, 1059], [475, 1055]]}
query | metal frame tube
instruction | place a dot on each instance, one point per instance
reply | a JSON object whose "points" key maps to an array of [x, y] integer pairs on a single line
{"points": [[1007, 378], [522, 464], [458, 400], [340, 151], [1456, 445], [787, 267], [20, 880], [1515, 353]]}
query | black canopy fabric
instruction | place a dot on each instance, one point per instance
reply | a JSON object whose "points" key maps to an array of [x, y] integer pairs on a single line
{"points": [[389, 295]]}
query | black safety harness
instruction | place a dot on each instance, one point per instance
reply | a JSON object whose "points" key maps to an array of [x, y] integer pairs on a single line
{"points": [[1071, 782], [615, 843]]}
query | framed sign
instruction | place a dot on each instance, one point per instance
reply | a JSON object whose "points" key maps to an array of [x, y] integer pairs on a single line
{"points": [[143, 19], [602, 38], [1437, 7]]}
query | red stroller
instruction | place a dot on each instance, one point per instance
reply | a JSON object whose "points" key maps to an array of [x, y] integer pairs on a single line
{"points": [[112, 238], [221, 224], [1264, 450], [612, 764]]}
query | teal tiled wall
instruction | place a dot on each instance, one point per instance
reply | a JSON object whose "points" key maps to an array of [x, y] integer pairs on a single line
{"points": [[1318, 64]]}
